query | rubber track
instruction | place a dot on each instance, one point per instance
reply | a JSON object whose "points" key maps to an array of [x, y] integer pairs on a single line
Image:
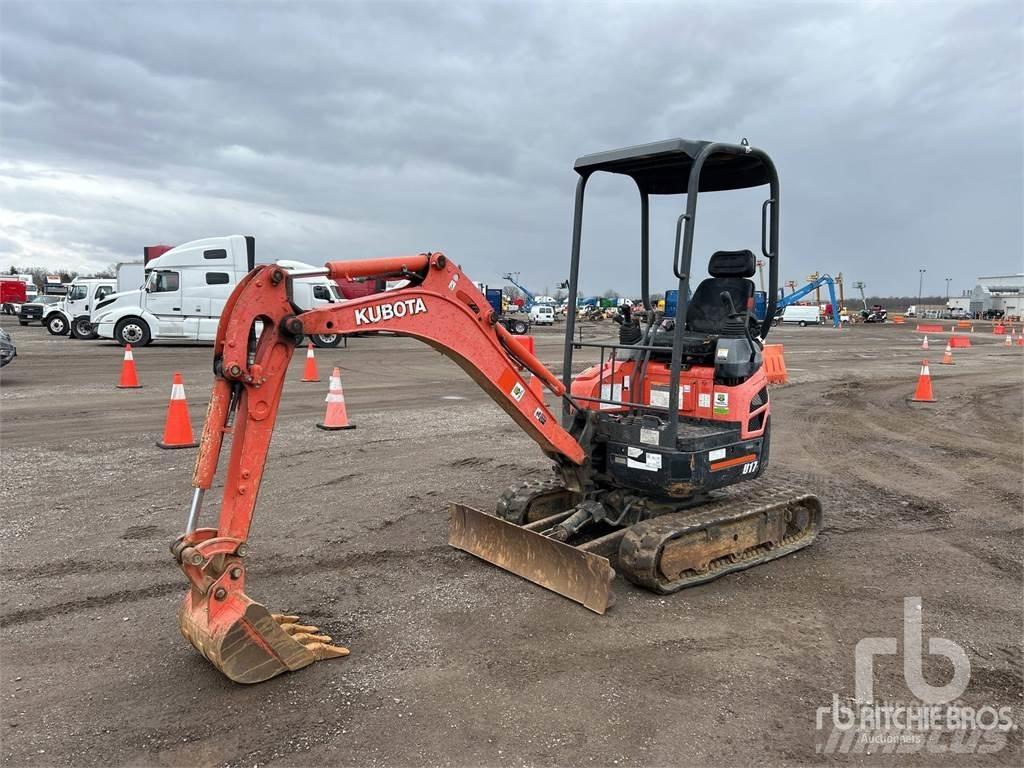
{"points": [[641, 548], [513, 504]]}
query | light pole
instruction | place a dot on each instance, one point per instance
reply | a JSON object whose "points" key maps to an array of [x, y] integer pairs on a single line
{"points": [[920, 282], [948, 281]]}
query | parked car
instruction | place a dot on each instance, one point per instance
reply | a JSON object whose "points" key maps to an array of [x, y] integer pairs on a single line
{"points": [[993, 314], [7, 349]]}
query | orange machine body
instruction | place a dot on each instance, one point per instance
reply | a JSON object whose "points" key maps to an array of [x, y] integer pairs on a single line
{"points": [[700, 397]]}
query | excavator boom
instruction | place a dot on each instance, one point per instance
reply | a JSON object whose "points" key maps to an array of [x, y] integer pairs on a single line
{"points": [[442, 308]]}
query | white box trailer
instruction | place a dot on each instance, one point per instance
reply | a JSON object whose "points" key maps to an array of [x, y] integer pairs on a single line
{"points": [[130, 275], [185, 291]]}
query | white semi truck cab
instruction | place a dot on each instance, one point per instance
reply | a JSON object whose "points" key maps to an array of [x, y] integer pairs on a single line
{"points": [[186, 289]]}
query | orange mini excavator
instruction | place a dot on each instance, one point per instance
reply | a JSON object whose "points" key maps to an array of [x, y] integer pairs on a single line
{"points": [[674, 411]]}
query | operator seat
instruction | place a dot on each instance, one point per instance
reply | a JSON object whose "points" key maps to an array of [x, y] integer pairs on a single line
{"points": [[706, 314], [730, 271]]}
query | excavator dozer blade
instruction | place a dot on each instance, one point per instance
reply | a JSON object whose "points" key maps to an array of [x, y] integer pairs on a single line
{"points": [[579, 575], [247, 642]]}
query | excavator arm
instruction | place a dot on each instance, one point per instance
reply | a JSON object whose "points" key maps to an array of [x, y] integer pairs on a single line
{"points": [[441, 307]]}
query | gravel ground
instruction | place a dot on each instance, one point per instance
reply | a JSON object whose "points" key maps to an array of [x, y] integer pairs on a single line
{"points": [[455, 662]]}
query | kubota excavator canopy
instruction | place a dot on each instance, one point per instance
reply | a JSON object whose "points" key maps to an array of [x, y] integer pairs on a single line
{"points": [[663, 167]]}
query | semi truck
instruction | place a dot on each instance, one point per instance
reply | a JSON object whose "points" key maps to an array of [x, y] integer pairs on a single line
{"points": [[186, 288]]}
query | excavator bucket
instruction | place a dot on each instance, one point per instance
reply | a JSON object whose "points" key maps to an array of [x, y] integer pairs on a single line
{"points": [[572, 572], [247, 642]]}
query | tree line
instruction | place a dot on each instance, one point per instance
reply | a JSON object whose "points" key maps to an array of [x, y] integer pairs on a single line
{"points": [[39, 274]]}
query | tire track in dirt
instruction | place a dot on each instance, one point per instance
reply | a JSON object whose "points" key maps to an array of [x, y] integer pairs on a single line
{"points": [[41, 613]]}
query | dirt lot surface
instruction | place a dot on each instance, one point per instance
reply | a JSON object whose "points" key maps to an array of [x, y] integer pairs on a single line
{"points": [[455, 662]]}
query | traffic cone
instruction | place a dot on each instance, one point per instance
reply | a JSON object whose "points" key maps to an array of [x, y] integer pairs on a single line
{"points": [[924, 344], [947, 358], [1008, 342], [536, 386], [337, 417], [972, 329], [129, 376], [178, 427], [924, 386], [1020, 340], [310, 373]]}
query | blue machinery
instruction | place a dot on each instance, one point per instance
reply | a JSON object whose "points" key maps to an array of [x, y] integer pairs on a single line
{"points": [[530, 298]]}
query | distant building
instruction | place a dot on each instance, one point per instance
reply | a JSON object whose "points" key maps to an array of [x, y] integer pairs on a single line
{"points": [[999, 292]]}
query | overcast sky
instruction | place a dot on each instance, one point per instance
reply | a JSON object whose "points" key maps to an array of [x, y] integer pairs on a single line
{"points": [[345, 130]]}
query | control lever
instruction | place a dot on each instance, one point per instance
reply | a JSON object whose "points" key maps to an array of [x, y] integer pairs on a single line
{"points": [[726, 298], [727, 301]]}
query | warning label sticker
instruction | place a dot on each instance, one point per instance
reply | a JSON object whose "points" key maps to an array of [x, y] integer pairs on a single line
{"points": [[641, 458], [611, 392], [518, 390], [703, 400], [721, 403], [659, 396], [650, 436]]}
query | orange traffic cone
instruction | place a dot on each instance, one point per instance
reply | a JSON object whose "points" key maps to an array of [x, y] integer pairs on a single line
{"points": [[924, 344], [310, 373], [536, 386], [178, 427], [1008, 342], [924, 386], [129, 376], [337, 417], [1020, 340], [947, 358]]}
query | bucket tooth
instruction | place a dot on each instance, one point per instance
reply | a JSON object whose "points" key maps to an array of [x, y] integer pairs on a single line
{"points": [[571, 572]]}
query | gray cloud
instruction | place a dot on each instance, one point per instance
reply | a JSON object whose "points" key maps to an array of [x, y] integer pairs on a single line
{"points": [[341, 130]]}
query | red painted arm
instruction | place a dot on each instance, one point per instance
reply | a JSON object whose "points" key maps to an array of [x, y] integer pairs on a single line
{"points": [[442, 308]]}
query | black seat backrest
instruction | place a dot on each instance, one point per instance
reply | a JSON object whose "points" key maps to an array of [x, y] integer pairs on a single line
{"points": [[730, 271]]}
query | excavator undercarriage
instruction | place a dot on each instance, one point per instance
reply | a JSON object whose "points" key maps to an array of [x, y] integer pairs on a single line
{"points": [[657, 458]]}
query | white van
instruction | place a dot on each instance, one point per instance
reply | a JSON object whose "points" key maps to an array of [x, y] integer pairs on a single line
{"points": [[73, 312], [186, 289], [800, 314], [542, 314]]}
